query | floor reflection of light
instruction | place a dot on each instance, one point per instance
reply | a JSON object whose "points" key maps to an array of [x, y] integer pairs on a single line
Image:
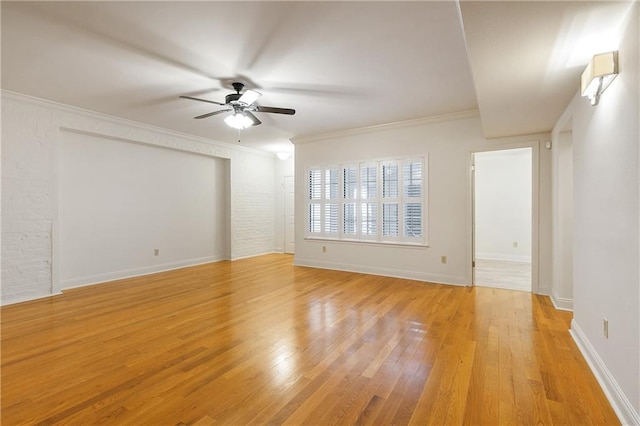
{"points": [[284, 364], [322, 314]]}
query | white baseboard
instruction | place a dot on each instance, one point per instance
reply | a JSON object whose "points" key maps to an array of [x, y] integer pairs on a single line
{"points": [[136, 272], [249, 256], [504, 257], [387, 272], [561, 303], [8, 300], [619, 401]]}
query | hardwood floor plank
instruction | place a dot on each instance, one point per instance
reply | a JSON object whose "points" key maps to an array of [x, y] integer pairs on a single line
{"points": [[370, 411], [260, 341]]}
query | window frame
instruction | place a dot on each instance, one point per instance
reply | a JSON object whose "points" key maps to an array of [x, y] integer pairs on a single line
{"points": [[360, 200]]}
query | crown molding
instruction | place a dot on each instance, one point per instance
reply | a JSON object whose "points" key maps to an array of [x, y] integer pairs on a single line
{"points": [[387, 126], [20, 97]]}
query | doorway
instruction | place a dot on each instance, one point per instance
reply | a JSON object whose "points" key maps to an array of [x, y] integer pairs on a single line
{"points": [[502, 188]]}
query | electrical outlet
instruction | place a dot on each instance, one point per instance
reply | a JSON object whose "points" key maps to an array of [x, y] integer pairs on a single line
{"points": [[515, 244], [605, 327], [156, 252], [324, 249], [443, 259]]}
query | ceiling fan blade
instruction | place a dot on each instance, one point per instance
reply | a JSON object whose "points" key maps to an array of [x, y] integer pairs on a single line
{"points": [[253, 118], [211, 114], [249, 97], [201, 100], [274, 110]]}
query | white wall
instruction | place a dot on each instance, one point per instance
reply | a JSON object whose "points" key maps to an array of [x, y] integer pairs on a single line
{"points": [[606, 241], [119, 201], [503, 204], [32, 131], [449, 142]]}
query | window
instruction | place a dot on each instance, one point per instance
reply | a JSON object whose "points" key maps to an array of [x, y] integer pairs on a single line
{"points": [[323, 202], [380, 201]]}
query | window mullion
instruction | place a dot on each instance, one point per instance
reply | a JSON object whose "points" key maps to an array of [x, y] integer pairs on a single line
{"points": [[401, 198], [325, 199], [340, 202], [380, 197], [358, 201]]}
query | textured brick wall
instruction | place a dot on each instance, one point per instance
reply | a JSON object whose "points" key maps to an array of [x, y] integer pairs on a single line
{"points": [[252, 206], [27, 204], [30, 134]]}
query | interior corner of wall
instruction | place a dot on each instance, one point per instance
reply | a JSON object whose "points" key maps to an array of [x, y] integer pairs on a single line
{"points": [[561, 303]]}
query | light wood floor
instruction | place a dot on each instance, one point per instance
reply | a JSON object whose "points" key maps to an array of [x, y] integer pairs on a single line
{"points": [[259, 341], [503, 274]]}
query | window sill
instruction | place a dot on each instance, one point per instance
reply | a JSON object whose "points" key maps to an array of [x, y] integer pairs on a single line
{"points": [[371, 243]]}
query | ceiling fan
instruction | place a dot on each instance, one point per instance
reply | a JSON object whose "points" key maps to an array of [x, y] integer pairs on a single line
{"points": [[243, 106]]}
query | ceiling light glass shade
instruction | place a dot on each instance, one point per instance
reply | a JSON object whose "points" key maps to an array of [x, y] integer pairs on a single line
{"points": [[238, 121], [249, 97], [600, 72]]}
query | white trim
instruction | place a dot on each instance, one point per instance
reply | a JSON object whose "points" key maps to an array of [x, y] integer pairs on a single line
{"points": [[78, 131], [367, 242], [25, 298], [136, 272], [386, 272], [124, 122], [618, 400], [561, 303], [387, 126], [233, 257]]}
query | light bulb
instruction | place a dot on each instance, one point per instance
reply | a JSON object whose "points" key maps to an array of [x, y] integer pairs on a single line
{"points": [[238, 121]]}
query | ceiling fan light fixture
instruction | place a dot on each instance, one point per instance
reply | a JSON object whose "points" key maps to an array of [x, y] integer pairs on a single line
{"points": [[238, 121], [242, 107]]}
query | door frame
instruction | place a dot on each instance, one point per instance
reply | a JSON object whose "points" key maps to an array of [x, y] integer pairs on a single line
{"points": [[535, 206]]}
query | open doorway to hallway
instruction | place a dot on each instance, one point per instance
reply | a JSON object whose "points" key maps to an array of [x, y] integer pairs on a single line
{"points": [[502, 198]]}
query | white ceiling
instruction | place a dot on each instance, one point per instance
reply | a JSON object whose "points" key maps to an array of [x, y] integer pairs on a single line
{"points": [[527, 57], [341, 65]]}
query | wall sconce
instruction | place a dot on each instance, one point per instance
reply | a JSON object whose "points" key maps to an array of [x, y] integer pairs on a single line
{"points": [[283, 155], [600, 72]]}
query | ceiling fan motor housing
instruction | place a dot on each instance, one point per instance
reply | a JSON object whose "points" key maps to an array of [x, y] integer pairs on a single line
{"points": [[232, 97]]}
